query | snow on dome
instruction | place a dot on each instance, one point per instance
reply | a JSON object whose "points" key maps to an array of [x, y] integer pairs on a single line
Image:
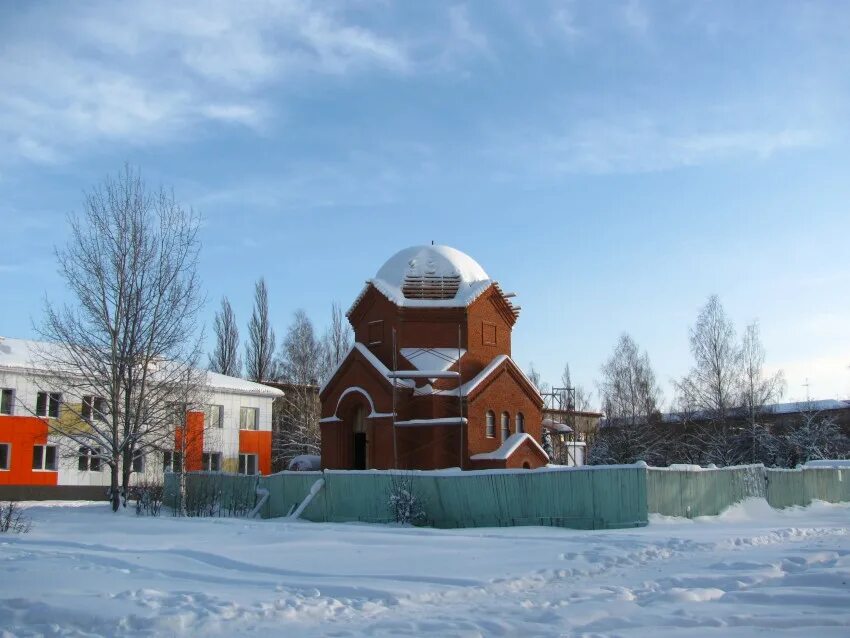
{"points": [[431, 274]]}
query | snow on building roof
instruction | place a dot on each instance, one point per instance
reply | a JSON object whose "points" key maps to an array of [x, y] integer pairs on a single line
{"points": [[468, 387], [27, 355], [807, 406], [373, 361], [511, 444], [429, 277], [556, 426], [432, 358]]}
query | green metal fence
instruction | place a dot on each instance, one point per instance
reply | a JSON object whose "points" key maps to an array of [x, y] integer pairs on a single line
{"points": [[580, 498], [690, 492], [801, 486]]}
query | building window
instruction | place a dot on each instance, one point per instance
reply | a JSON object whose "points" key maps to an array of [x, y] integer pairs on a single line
{"points": [[247, 463], [89, 459], [506, 425], [488, 333], [138, 461], [7, 401], [520, 423], [94, 408], [5, 456], [490, 432], [248, 418], [215, 416], [172, 461], [376, 332], [47, 404], [44, 457], [211, 461]]}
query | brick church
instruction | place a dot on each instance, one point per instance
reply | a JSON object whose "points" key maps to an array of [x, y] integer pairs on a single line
{"points": [[430, 382]]}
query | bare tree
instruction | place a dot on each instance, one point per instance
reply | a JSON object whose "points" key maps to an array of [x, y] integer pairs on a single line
{"points": [[336, 343], [629, 392], [630, 397], [582, 397], [127, 341], [712, 385], [297, 412], [815, 436], [259, 350], [225, 358], [756, 442]]}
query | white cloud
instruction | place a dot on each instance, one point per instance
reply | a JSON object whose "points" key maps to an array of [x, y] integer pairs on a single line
{"points": [[77, 76], [635, 18], [639, 145], [464, 33]]}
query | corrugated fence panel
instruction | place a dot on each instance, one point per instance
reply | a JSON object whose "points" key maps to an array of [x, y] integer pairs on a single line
{"points": [[702, 492], [579, 498], [786, 488], [286, 491], [587, 498]]}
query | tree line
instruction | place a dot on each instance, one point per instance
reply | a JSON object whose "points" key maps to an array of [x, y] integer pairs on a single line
{"points": [[303, 361], [720, 409]]}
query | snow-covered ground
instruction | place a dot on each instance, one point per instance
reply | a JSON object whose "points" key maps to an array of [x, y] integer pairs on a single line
{"points": [[83, 571]]}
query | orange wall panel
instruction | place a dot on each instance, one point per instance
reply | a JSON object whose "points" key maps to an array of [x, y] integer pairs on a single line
{"points": [[23, 432], [257, 442], [193, 446]]}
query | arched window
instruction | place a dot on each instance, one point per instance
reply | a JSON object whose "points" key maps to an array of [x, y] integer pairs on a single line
{"points": [[506, 425], [491, 425], [520, 423]]}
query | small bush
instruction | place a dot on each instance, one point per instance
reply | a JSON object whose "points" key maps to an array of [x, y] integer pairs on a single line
{"points": [[148, 496], [13, 519], [405, 505]]}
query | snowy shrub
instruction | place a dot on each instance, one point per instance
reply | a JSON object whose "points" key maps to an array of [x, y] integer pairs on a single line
{"points": [[12, 518], [405, 505], [148, 496]]}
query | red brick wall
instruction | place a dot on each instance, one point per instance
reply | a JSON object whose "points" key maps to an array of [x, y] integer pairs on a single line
{"points": [[504, 392]]}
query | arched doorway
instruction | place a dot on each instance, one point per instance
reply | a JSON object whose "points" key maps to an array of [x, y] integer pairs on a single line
{"points": [[361, 441]]}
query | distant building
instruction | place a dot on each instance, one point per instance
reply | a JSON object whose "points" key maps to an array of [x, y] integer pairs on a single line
{"points": [[430, 382], [233, 434]]}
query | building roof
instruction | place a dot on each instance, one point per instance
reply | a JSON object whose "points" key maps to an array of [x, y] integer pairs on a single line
{"points": [[430, 277], [511, 445], [23, 355]]}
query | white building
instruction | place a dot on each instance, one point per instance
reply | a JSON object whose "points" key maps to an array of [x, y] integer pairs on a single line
{"points": [[233, 433]]}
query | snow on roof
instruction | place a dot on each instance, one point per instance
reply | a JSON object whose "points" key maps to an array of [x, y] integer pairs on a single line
{"points": [[468, 387], [240, 386], [807, 406], [373, 361], [557, 426], [432, 358], [429, 277], [23, 354], [511, 444]]}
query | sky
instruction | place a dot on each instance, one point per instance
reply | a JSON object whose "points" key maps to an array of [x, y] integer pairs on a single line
{"points": [[614, 163]]}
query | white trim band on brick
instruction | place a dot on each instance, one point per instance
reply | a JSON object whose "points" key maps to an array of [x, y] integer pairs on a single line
{"points": [[454, 420]]}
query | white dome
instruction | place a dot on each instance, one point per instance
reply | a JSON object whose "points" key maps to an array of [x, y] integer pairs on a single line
{"points": [[430, 261], [431, 275]]}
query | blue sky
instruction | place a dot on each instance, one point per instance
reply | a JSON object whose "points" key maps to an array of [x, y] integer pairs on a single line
{"points": [[614, 163]]}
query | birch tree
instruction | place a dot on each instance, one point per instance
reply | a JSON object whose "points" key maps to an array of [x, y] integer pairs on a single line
{"points": [[225, 357], [129, 335], [297, 412]]}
